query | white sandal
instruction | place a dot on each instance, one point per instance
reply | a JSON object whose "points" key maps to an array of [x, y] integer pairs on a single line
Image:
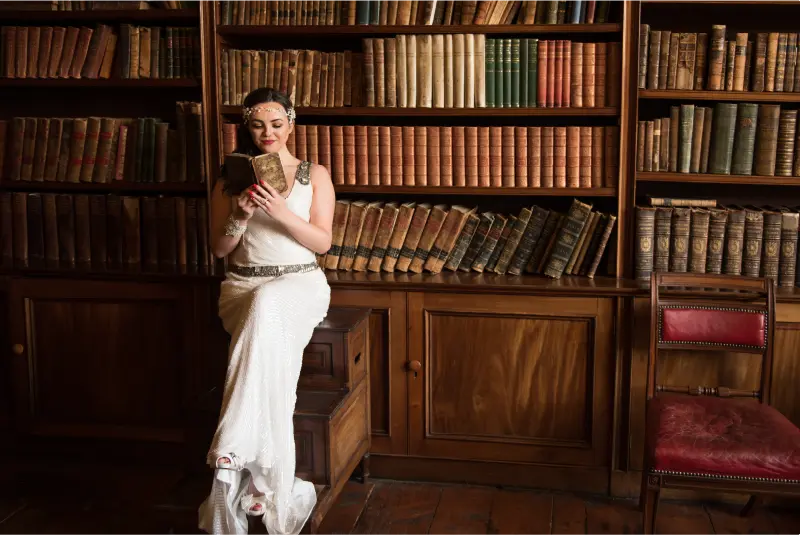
{"points": [[254, 505], [229, 462]]}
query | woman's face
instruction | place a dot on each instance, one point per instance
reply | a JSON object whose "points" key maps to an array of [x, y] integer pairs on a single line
{"points": [[269, 126]]}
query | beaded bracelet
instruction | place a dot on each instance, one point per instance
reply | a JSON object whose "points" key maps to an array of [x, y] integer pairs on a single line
{"points": [[233, 227]]}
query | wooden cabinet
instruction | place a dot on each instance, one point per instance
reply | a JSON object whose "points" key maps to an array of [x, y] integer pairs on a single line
{"points": [[510, 378], [101, 359]]}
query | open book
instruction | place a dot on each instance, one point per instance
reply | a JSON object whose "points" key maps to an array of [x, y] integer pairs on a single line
{"points": [[243, 171]]}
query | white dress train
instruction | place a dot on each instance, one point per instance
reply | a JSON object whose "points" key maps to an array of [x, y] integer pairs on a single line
{"points": [[270, 320]]}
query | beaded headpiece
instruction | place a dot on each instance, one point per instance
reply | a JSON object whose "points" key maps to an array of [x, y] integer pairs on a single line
{"points": [[248, 112]]}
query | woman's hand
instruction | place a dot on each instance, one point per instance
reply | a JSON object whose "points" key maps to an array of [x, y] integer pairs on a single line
{"points": [[272, 202], [246, 205]]}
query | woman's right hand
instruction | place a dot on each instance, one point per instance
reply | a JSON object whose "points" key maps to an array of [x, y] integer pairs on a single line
{"points": [[246, 206]]}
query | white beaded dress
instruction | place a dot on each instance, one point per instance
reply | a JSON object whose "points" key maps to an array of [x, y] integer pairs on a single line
{"points": [[270, 320]]}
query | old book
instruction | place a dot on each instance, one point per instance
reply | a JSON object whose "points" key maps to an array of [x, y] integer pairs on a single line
{"points": [[462, 242], [486, 225], [716, 240], [413, 236], [784, 157], [445, 241], [550, 226], [368, 234], [753, 242], [734, 241], [788, 252], [661, 240], [721, 151], [716, 58], [585, 235], [568, 233], [645, 221], [698, 240], [341, 215], [427, 238], [708, 128], [352, 235], [697, 139], [766, 146], [498, 247], [401, 227], [685, 137], [612, 219], [680, 234], [513, 241], [384, 234], [242, 171], [770, 243], [744, 139]]}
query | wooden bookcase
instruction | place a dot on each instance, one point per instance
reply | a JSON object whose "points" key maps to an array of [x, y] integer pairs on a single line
{"points": [[653, 99], [96, 338]]}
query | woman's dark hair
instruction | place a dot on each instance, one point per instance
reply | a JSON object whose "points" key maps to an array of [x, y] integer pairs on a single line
{"points": [[244, 141]]}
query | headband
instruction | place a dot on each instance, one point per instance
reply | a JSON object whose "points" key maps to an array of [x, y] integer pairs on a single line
{"points": [[248, 112]]}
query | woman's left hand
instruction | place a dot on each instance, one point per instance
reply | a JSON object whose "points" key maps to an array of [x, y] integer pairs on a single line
{"points": [[270, 201]]}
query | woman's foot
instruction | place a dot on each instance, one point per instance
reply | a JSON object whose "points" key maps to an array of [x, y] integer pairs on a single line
{"points": [[253, 505], [228, 462]]}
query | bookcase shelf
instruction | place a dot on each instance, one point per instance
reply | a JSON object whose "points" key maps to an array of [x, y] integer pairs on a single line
{"points": [[147, 83], [476, 282], [728, 96], [489, 192], [109, 187], [101, 15], [367, 30], [445, 112], [703, 178]]}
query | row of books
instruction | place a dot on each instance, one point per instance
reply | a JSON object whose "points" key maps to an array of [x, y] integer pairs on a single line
{"points": [[730, 138], [696, 61], [408, 12], [104, 233], [417, 237], [83, 52], [731, 240], [433, 71], [497, 156], [104, 149], [90, 5]]}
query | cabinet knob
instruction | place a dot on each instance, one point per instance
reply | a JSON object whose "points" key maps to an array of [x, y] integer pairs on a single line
{"points": [[18, 349], [415, 365]]}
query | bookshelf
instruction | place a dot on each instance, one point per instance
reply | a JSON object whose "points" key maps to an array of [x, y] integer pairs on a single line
{"points": [[744, 163], [104, 269]]}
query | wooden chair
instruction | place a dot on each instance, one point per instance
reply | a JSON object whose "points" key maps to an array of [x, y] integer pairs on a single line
{"points": [[701, 437]]}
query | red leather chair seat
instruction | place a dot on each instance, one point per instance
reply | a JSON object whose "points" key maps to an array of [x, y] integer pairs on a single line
{"points": [[717, 436]]}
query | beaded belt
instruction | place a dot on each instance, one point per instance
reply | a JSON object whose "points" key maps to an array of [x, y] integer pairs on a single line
{"points": [[271, 271]]}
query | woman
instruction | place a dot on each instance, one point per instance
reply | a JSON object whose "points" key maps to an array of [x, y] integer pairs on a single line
{"points": [[270, 313]]}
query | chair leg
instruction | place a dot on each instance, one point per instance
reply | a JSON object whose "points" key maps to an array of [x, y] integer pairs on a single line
{"points": [[751, 504], [648, 502]]}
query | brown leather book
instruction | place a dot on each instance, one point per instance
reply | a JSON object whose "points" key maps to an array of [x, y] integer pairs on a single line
{"points": [[341, 215], [521, 157], [404, 217], [382, 236], [243, 171], [445, 241], [368, 234]]}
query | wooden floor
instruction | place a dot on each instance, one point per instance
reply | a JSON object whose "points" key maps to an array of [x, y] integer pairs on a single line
{"points": [[139, 501]]}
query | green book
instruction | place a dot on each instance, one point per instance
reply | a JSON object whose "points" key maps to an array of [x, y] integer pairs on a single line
{"points": [[507, 102], [514, 71], [533, 79], [490, 82], [523, 72], [499, 73]]}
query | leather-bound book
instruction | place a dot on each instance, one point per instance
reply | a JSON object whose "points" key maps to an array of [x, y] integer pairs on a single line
{"points": [[786, 143], [700, 60], [431, 231], [445, 241], [753, 242], [383, 235], [698, 240], [462, 242], [399, 233], [734, 241], [352, 235], [368, 234], [766, 146], [341, 215], [770, 244], [680, 237], [716, 58], [497, 248], [744, 139], [645, 233], [568, 233], [243, 171], [721, 152], [716, 240], [788, 253], [661, 240], [530, 236], [414, 235], [486, 225]]}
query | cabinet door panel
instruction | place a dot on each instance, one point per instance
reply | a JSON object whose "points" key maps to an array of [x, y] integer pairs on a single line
{"points": [[510, 378], [100, 359], [387, 343]]}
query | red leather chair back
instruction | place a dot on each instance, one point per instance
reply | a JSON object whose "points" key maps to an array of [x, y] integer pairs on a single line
{"points": [[712, 313]]}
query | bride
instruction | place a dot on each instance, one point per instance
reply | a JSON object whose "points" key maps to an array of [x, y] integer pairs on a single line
{"points": [[272, 298]]}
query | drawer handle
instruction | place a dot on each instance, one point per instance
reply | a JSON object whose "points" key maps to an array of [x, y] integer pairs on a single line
{"points": [[358, 357], [18, 349]]}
